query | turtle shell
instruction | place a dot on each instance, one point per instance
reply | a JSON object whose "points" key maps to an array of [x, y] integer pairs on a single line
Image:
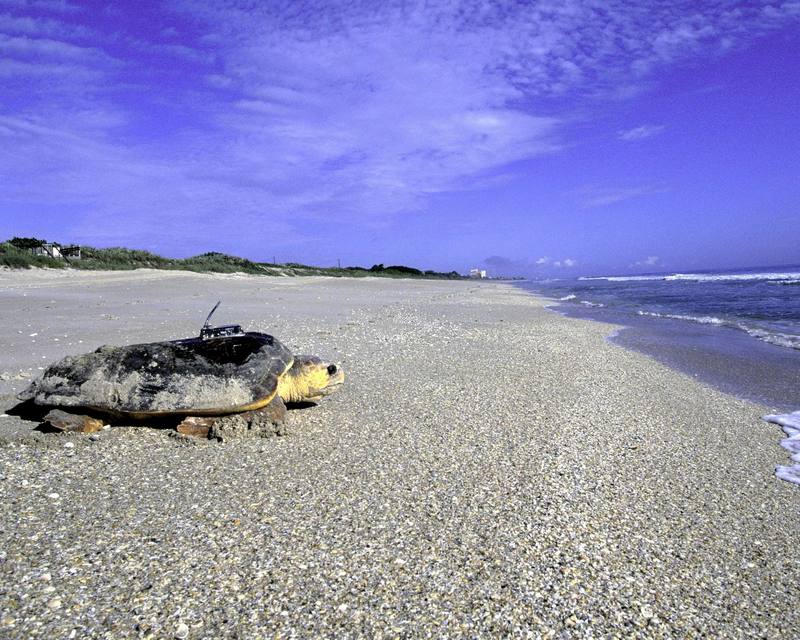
{"points": [[196, 376]]}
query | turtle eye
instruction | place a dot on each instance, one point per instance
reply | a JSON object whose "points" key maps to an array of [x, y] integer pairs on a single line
{"points": [[331, 369]]}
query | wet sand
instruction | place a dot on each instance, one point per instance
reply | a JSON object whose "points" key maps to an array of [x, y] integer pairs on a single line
{"points": [[488, 468]]}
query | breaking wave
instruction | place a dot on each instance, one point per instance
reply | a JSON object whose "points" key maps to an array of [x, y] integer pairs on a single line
{"points": [[678, 316], [791, 277], [734, 277], [586, 303], [623, 278], [789, 340]]}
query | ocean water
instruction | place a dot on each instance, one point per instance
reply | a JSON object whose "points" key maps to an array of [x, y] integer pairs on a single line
{"points": [[738, 330], [765, 304]]}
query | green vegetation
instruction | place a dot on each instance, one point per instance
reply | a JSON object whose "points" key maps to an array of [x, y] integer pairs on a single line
{"points": [[18, 253], [21, 258], [26, 243], [119, 259]]}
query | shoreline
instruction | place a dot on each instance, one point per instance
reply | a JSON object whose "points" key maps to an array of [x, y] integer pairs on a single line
{"points": [[713, 359], [726, 358], [489, 467]]}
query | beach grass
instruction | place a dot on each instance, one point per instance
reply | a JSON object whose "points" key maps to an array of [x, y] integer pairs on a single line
{"points": [[124, 259]]}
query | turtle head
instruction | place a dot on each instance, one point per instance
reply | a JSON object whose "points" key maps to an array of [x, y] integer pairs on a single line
{"points": [[309, 379]]}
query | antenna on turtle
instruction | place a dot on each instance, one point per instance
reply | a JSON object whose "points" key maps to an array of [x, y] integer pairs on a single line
{"points": [[218, 332], [208, 317]]}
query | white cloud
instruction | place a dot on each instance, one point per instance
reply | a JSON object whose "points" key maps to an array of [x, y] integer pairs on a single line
{"points": [[649, 261], [530, 265], [565, 263], [640, 133]]}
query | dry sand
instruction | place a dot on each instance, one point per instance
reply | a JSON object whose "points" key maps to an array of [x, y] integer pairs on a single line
{"points": [[488, 468]]}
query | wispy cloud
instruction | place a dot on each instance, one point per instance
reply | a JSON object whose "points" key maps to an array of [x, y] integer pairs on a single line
{"points": [[512, 266], [591, 197], [566, 263], [58, 6], [640, 133], [285, 113], [40, 26], [649, 261]]}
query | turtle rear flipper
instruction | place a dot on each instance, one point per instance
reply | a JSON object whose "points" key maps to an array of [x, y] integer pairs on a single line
{"points": [[63, 421]]}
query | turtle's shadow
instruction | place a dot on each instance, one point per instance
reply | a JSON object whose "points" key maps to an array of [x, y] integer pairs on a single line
{"points": [[306, 404], [28, 410], [32, 412]]}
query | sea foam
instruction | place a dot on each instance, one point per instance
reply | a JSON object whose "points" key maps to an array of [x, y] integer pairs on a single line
{"points": [[790, 423], [771, 336], [734, 277], [788, 340], [677, 316], [623, 278]]}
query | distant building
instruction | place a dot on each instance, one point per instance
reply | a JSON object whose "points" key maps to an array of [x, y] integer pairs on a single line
{"points": [[48, 249], [477, 273], [56, 251], [72, 252]]}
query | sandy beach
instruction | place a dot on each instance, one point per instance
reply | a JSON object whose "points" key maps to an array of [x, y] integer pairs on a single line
{"points": [[489, 468]]}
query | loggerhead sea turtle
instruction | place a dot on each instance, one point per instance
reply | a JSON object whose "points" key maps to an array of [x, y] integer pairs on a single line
{"points": [[224, 371]]}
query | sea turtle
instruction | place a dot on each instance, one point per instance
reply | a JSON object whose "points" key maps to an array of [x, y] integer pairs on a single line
{"points": [[224, 371]]}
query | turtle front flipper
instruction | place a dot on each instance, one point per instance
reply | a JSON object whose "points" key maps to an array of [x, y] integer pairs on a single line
{"points": [[260, 423]]}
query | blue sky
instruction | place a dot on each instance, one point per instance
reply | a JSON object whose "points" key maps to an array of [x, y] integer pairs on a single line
{"points": [[528, 137]]}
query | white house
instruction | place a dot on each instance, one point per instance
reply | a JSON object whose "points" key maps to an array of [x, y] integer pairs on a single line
{"points": [[477, 273], [55, 250], [49, 249]]}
